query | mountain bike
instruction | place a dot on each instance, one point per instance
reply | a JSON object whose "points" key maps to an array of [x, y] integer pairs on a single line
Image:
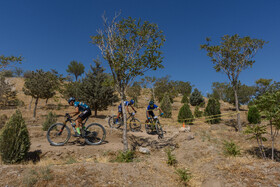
{"points": [[153, 126], [134, 123], [59, 133]]}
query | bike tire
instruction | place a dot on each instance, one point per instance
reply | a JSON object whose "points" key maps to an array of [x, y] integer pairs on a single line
{"points": [[53, 134], [112, 123], [148, 128], [159, 130], [91, 133], [135, 125]]}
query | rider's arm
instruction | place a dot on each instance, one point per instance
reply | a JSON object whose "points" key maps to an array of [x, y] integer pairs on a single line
{"points": [[76, 112], [127, 109], [133, 108]]}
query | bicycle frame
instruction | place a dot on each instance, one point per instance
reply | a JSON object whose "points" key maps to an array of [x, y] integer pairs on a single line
{"points": [[72, 124]]}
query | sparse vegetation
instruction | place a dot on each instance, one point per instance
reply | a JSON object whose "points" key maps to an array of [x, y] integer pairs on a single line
{"points": [[231, 149], [125, 156], [3, 119], [184, 175], [51, 118], [14, 140], [171, 159], [34, 176]]}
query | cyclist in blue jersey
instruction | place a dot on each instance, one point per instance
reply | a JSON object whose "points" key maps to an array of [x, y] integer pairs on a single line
{"points": [[126, 104], [150, 114], [82, 109]]}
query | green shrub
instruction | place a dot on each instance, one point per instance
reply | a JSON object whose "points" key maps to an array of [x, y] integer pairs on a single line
{"points": [[185, 113], [171, 159], [50, 119], [213, 109], [185, 99], [231, 149], [14, 140], [254, 116], [197, 112], [41, 174], [166, 106], [196, 98], [127, 156], [184, 175], [3, 119]]}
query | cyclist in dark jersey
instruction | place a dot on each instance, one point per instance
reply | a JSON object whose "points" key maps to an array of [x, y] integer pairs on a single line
{"points": [[126, 104], [82, 109], [150, 109]]}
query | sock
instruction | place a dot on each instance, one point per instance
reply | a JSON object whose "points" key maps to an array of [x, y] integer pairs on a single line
{"points": [[78, 130], [117, 119]]}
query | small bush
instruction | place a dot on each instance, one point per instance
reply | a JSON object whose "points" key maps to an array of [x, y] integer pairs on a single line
{"points": [[59, 106], [70, 160], [184, 175], [185, 113], [231, 149], [166, 106], [254, 116], [185, 99], [127, 156], [14, 140], [3, 119], [196, 98], [213, 109], [197, 112], [171, 159], [50, 119]]}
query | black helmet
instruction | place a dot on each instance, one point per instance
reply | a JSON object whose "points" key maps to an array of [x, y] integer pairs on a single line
{"points": [[71, 99], [151, 102]]}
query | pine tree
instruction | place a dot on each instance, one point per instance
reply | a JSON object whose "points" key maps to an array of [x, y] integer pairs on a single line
{"points": [[95, 90], [185, 114], [14, 140], [254, 116], [213, 108], [197, 112], [166, 106], [185, 99], [196, 98]]}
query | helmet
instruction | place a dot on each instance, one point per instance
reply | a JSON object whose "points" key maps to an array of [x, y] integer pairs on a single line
{"points": [[151, 102], [71, 99], [132, 101]]}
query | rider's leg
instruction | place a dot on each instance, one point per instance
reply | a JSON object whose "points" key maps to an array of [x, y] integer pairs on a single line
{"points": [[78, 125]]}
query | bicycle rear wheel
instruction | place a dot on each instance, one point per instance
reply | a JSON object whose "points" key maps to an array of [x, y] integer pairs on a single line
{"points": [[135, 125], [95, 134], [112, 122], [159, 130], [58, 134]]}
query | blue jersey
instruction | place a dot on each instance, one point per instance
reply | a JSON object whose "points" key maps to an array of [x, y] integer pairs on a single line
{"points": [[82, 106], [149, 108]]}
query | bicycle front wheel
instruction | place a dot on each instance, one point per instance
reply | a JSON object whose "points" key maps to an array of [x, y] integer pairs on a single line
{"points": [[95, 134], [112, 122], [159, 130], [135, 125], [58, 134]]}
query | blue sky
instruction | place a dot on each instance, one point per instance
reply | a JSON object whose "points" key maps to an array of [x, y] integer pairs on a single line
{"points": [[51, 33]]}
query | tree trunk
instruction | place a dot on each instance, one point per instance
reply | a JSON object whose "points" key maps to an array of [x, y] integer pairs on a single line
{"points": [[272, 141], [47, 101], [35, 107], [30, 103], [153, 93], [237, 109], [95, 112], [125, 143]]}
